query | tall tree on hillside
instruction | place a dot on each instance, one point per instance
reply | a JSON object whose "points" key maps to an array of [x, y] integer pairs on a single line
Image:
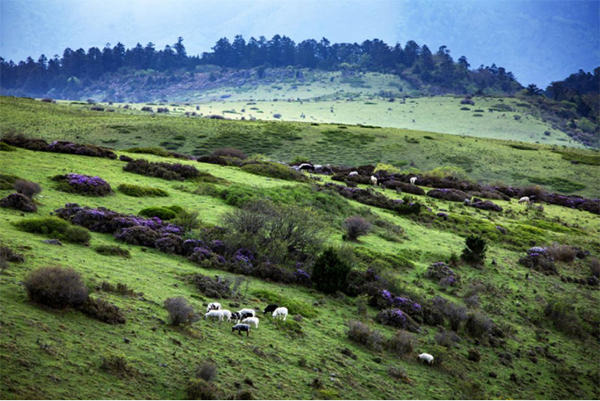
{"points": [[533, 90], [411, 52]]}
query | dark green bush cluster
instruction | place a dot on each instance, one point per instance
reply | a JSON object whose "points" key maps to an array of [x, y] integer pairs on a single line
{"points": [[118, 365], [102, 310], [274, 170], [56, 287], [113, 250], [475, 250], [200, 389], [330, 271], [139, 191], [211, 287], [363, 334], [206, 371], [162, 212], [229, 152], [19, 202], [355, 227], [150, 151], [167, 171], [563, 315], [180, 311], [55, 228]]}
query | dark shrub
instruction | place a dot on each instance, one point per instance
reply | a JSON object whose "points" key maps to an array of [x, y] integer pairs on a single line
{"points": [[102, 310], [244, 395], [401, 343], [162, 170], [54, 227], [113, 250], [7, 254], [446, 339], [169, 243], [180, 312], [229, 152], [397, 373], [404, 187], [355, 227], [274, 170], [150, 151], [539, 259], [56, 287], [28, 188], [19, 202], [438, 271], [198, 389], [7, 148], [563, 314], [453, 195], [118, 365], [478, 325], [534, 190], [125, 158], [187, 220], [206, 371], [83, 184], [562, 253], [269, 271], [212, 288], [474, 355], [141, 191], [329, 271], [474, 252], [363, 334], [22, 141], [138, 235], [218, 160], [158, 211], [595, 267], [486, 205]]}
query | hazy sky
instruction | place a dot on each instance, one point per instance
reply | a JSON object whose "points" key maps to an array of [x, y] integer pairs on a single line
{"points": [[538, 40]]}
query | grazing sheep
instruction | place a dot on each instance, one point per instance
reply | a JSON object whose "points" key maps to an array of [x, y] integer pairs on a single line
{"points": [[270, 308], [226, 314], [249, 312], [306, 166], [240, 328], [413, 180], [214, 314], [253, 320], [353, 173], [280, 312], [426, 357], [524, 199], [236, 316], [374, 180], [213, 306]]}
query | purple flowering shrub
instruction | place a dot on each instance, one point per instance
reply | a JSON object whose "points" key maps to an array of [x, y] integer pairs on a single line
{"points": [[138, 235], [392, 317], [384, 299], [486, 205], [539, 258], [367, 282], [442, 272], [303, 278], [201, 254], [83, 184], [453, 195], [169, 243]]}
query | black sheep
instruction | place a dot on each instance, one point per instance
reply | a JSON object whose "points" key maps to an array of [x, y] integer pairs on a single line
{"points": [[240, 328], [270, 308]]}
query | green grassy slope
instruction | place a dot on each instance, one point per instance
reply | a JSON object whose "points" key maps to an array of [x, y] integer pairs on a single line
{"points": [[486, 160], [49, 354]]}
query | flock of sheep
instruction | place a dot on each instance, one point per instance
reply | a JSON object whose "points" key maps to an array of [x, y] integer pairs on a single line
{"points": [[244, 318]]}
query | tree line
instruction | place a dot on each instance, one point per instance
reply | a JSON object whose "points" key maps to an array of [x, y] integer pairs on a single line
{"points": [[416, 63]]}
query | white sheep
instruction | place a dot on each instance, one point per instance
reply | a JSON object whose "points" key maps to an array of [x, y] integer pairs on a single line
{"points": [[413, 180], [524, 199], [374, 180], [253, 320], [353, 173], [280, 312], [225, 314], [426, 357], [213, 306], [247, 312], [214, 314]]}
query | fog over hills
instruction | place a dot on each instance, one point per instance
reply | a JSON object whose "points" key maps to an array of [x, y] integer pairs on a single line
{"points": [[539, 41]]}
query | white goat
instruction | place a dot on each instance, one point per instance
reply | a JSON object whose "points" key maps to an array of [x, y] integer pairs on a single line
{"points": [[213, 306], [426, 357], [253, 320], [413, 180], [374, 180], [524, 199], [353, 173], [214, 314], [280, 312], [247, 311]]}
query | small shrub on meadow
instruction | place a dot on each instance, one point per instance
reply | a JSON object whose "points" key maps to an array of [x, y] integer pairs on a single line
{"points": [[207, 371], [169, 243], [397, 373], [595, 267], [167, 171], [478, 325], [212, 288], [474, 252], [28, 188], [539, 258], [113, 250], [229, 152], [187, 220], [102, 310], [18, 202], [180, 311], [56, 228], [356, 226], [139, 191], [82, 185], [161, 212], [330, 271], [363, 334], [564, 316], [56, 287], [401, 343], [446, 339], [244, 395], [118, 365], [199, 389], [138, 235], [562, 253]]}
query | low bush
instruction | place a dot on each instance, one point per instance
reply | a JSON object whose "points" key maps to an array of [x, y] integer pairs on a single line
{"points": [[139, 191], [446, 339], [229, 152], [274, 170], [539, 259], [113, 250], [199, 389], [355, 227], [562, 253], [453, 195], [150, 151], [138, 235], [7, 254], [180, 311], [206, 371], [27, 188], [56, 287], [397, 373], [478, 325], [218, 160], [18, 202], [21, 141], [167, 171], [83, 185], [102, 310], [55, 228], [212, 288], [363, 334], [401, 343], [474, 251], [563, 315], [118, 365], [187, 220], [595, 267], [158, 211], [330, 271], [125, 158], [169, 243]]}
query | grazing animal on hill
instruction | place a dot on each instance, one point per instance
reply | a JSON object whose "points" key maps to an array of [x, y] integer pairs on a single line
{"points": [[426, 357], [226, 314], [249, 312], [306, 166], [280, 312], [253, 320], [236, 316], [240, 328], [413, 180], [374, 180], [525, 199], [270, 308], [214, 314], [353, 173], [213, 306]]}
